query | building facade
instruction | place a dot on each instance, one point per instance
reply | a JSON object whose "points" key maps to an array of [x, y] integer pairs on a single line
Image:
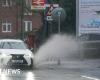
{"points": [[14, 19]]}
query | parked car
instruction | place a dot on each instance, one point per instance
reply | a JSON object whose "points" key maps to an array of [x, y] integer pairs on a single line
{"points": [[14, 52]]}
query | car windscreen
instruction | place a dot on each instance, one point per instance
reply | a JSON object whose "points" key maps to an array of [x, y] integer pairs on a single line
{"points": [[12, 45]]}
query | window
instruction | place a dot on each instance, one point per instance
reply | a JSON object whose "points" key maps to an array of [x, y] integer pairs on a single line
{"points": [[6, 27], [6, 3], [27, 12], [28, 4], [28, 25]]}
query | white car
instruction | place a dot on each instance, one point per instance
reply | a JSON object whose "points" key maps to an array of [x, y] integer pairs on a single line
{"points": [[14, 52]]}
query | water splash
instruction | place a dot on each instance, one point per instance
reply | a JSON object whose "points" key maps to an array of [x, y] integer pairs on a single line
{"points": [[58, 46]]}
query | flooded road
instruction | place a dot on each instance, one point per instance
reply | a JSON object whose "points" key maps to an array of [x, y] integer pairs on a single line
{"points": [[49, 74]]}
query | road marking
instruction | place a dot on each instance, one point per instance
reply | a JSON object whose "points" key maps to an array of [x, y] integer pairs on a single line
{"points": [[92, 78]]}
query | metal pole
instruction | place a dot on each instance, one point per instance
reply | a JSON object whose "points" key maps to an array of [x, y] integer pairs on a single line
{"points": [[22, 16], [50, 27], [44, 23], [77, 18], [59, 15]]}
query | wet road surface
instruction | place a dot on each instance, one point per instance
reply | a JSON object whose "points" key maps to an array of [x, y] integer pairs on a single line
{"points": [[47, 74]]}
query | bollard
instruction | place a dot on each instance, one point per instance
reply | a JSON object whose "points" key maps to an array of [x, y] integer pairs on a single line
{"points": [[58, 62]]}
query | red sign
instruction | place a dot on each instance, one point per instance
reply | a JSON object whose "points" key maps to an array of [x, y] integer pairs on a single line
{"points": [[38, 4], [50, 8]]}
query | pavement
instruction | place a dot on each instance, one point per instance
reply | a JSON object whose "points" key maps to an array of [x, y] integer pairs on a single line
{"points": [[86, 63]]}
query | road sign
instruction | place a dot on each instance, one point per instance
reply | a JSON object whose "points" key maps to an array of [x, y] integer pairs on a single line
{"points": [[59, 15], [38, 4], [58, 12], [49, 18], [54, 5], [49, 11]]}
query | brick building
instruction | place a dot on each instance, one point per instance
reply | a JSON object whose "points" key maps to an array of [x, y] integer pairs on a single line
{"points": [[12, 22]]}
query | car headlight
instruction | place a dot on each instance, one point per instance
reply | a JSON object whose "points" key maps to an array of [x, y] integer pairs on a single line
{"points": [[5, 55]]}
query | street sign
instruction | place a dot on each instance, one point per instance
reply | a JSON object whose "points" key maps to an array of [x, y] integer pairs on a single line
{"points": [[54, 5], [49, 18], [38, 4], [49, 11], [59, 15], [58, 12]]}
